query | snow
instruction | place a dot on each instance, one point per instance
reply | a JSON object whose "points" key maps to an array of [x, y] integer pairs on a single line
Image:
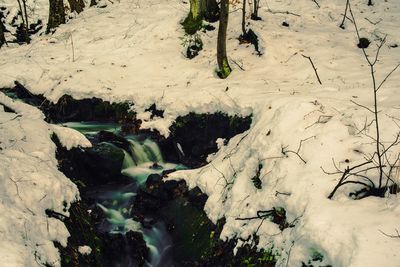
{"points": [[132, 50], [30, 183], [70, 138], [84, 250]]}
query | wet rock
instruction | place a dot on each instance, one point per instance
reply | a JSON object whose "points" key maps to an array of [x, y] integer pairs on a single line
{"points": [[89, 109], [137, 247], [82, 232], [122, 248], [145, 204], [109, 137], [69, 109], [103, 161], [193, 137], [88, 167], [197, 198]]}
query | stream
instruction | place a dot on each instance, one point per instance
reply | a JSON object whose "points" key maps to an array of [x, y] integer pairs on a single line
{"points": [[142, 159]]}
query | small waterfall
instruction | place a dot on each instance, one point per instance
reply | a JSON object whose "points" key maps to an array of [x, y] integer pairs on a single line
{"points": [[128, 160], [159, 244], [119, 222], [141, 159], [153, 150], [138, 152], [145, 158]]}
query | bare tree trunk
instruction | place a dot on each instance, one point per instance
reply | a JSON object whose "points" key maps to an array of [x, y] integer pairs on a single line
{"points": [[222, 59], [26, 16], [56, 15], [254, 14], [76, 5], [210, 10], [244, 18], [24, 35], [370, 2], [2, 37], [199, 10], [194, 20]]}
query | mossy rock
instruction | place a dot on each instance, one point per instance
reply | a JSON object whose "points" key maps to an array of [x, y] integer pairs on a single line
{"points": [[82, 233]]}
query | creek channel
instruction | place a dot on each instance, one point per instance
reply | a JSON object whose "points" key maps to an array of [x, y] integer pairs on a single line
{"points": [[142, 159]]}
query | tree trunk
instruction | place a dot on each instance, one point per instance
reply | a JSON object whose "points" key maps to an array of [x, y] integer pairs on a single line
{"points": [[194, 20], [76, 5], [210, 10], [2, 38], [56, 15], [222, 59], [22, 31], [244, 18], [254, 14], [199, 10]]}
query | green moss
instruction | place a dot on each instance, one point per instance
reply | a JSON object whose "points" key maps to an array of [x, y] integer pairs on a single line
{"points": [[194, 20], [192, 233], [79, 225], [225, 70], [191, 25], [262, 258]]}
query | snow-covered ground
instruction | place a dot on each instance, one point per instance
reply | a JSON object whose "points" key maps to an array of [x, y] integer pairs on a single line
{"points": [[30, 183], [132, 50]]}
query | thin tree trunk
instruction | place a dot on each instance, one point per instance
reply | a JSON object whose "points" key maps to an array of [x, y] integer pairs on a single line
{"points": [[76, 5], [56, 15], [25, 33], [222, 59], [26, 16], [254, 14], [210, 10], [2, 37], [244, 18]]}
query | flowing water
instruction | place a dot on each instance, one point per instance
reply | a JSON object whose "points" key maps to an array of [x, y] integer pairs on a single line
{"points": [[143, 158]]}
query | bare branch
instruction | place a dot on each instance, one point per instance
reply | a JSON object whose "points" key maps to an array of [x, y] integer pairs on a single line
{"points": [[313, 66]]}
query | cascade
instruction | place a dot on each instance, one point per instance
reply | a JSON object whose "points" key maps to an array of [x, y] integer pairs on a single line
{"points": [[142, 159]]}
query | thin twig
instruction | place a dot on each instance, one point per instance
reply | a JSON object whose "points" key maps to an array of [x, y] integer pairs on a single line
{"points": [[313, 66]]}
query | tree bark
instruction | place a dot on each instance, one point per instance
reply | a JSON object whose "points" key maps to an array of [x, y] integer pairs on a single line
{"points": [[222, 59], [23, 33], [76, 5], [210, 10], [254, 14], [2, 37], [56, 15], [244, 18]]}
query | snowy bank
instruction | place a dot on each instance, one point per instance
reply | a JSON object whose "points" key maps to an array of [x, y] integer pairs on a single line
{"points": [[30, 184]]}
